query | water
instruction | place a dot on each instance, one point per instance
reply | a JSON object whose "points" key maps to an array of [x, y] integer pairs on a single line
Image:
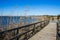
{"points": [[6, 20]]}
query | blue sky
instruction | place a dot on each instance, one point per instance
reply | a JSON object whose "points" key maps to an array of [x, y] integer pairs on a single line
{"points": [[29, 7]]}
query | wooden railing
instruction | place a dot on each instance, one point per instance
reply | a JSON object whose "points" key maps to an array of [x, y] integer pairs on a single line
{"points": [[23, 32], [58, 28]]}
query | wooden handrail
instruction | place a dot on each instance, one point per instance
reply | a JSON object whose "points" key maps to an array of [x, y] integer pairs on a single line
{"points": [[19, 27], [17, 36]]}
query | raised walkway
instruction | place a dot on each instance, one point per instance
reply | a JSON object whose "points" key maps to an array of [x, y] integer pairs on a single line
{"points": [[47, 33]]}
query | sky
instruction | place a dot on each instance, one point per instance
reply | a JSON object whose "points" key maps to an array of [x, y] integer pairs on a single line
{"points": [[29, 7]]}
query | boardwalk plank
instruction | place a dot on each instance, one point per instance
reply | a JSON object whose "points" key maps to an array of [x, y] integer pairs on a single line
{"points": [[48, 33]]}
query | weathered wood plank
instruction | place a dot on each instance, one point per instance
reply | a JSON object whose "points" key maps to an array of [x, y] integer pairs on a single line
{"points": [[48, 33]]}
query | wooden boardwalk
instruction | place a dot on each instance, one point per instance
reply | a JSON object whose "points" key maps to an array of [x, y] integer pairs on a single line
{"points": [[47, 33]]}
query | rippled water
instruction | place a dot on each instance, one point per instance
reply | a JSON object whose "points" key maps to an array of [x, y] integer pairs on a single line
{"points": [[6, 20]]}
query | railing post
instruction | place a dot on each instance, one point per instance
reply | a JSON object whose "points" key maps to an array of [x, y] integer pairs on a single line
{"points": [[33, 29], [17, 33], [14, 33], [47, 21], [40, 25], [26, 37], [44, 23]]}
